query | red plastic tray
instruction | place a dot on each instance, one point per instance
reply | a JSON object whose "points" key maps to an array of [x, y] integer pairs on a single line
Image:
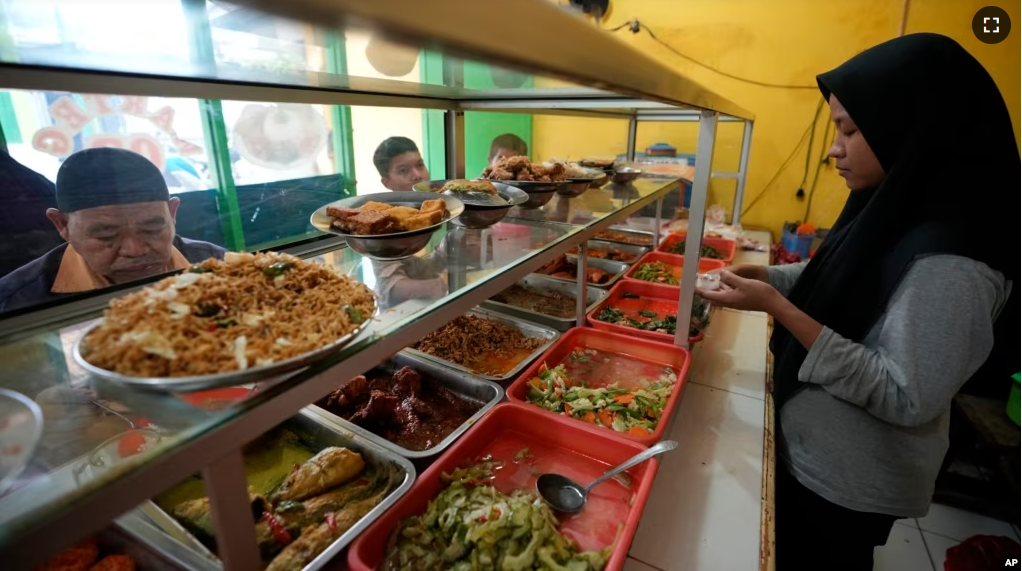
{"points": [[655, 297], [676, 263], [611, 514], [629, 345], [726, 247]]}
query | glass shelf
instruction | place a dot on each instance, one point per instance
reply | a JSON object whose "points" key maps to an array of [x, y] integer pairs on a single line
{"points": [[419, 290], [216, 44]]}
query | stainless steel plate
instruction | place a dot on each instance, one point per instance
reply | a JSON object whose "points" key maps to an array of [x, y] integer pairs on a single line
{"points": [[593, 297], [318, 431], [21, 428], [615, 269], [485, 393], [413, 199], [478, 216], [629, 232], [527, 329], [204, 382], [634, 250]]}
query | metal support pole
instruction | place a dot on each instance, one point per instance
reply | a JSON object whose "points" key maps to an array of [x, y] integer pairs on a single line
{"points": [[580, 300], [696, 221], [659, 222], [743, 171], [454, 140], [226, 487], [633, 128]]}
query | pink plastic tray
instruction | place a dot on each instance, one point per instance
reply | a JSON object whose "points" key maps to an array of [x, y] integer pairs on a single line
{"points": [[652, 352], [611, 514]]}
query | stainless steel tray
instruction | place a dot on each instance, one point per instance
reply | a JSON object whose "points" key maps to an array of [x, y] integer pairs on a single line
{"points": [[527, 329], [151, 548], [629, 232], [219, 380], [615, 269], [485, 393], [538, 281], [320, 431], [635, 250]]}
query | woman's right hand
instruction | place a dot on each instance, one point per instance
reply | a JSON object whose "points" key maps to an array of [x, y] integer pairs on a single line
{"points": [[749, 272]]}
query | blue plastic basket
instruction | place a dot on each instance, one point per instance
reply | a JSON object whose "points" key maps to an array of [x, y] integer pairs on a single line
{"points": [[798, 244]]}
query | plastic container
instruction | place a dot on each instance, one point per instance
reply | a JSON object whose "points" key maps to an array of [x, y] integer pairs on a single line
{"points": [[800, 245], [654, 297], [675, 262], [565, 448], [1014, 399], [660, 354], [726, 247]]}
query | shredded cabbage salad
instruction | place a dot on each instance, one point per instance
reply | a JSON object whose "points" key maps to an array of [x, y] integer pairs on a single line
{"points": [[634, 411]]}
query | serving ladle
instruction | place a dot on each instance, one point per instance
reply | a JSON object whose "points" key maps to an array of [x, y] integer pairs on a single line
{"points": [[568, 497]]}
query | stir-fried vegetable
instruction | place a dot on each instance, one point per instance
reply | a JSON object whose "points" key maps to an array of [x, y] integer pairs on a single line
{"points": [[656, 272], [704, 250], [634, 410], [648, 320], [471, 525]]}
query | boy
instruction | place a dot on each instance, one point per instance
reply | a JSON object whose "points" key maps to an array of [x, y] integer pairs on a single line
{"points": [[400, 164], [507, 145]]}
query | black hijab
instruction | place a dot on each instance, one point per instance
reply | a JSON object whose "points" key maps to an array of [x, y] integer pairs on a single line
{"points": [[941, 130]]}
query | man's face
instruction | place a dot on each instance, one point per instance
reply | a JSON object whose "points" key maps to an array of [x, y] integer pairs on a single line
{"points": [[123, 242], [406, 170]]}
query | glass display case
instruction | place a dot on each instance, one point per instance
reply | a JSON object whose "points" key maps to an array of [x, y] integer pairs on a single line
{"points": [[254, 114]]}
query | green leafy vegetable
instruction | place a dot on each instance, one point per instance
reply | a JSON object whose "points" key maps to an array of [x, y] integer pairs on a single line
{"points": [[276, 269], [354, 314], [471, 525]]}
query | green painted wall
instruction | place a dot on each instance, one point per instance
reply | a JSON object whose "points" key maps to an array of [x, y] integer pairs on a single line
{"points": [[481, 127]]}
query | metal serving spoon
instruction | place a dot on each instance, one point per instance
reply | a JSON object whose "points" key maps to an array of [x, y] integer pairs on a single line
{"points": [[568, 497]]}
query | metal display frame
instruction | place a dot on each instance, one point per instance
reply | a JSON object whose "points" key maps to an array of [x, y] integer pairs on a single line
{"points": [[623, 83]]}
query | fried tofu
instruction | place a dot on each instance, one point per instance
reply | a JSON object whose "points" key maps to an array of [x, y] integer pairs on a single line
{"points": [[424, 220], [340, 213], [402, 214], [375, 206], [367, 223], [436, 205]]}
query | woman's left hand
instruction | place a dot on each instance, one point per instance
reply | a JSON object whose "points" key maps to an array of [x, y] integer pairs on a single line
{"points": [[741, 293]]}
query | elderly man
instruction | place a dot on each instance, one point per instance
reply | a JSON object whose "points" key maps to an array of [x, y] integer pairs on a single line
{"points": [[117, 217]]}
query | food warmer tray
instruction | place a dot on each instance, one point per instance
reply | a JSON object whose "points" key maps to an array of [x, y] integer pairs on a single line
{"points": [[316, 431], [526, 328], [635, 250], [538, 281], [615, 269], [470, 387], [629, 232]]}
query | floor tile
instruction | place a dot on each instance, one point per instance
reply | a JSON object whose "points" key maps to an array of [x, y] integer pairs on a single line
{"points": [[911, 522], [635, 565], [704, 510], [905, 551], [733, 354], [937, 546], [954, 523]]}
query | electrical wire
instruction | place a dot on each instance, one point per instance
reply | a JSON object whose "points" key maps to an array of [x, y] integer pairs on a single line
{"points": [[824, 159], [635, 25], [780, 170]]}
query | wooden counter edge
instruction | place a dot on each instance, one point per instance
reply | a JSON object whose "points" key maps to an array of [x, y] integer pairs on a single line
{"points": [[767, 548]]}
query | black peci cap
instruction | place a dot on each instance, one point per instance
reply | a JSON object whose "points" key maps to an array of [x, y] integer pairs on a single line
{"points": [[107, 176]]}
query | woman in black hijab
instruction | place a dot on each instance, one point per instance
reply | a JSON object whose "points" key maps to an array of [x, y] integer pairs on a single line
{"points": [[897, 310]]}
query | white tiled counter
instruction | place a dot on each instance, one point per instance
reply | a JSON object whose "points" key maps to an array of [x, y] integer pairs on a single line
{"points": [[706, 511]]}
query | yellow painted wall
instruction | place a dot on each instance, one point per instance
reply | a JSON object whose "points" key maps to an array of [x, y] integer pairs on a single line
{"points": [[781, 41]]}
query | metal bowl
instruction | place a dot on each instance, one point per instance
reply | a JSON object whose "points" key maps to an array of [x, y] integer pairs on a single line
{"points": [[540, 193], [602, 180], [389, 247], [625, 174], [478, 216], [575, 187]]}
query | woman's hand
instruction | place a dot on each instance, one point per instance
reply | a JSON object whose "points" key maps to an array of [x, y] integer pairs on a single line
{"points": [[749, 294], [749, 271]]}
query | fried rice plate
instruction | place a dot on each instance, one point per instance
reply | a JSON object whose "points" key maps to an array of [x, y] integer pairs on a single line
{"points": [[221, 316]]}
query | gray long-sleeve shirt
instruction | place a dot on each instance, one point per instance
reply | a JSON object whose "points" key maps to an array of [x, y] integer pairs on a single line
{"points": [[870, 431]]}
